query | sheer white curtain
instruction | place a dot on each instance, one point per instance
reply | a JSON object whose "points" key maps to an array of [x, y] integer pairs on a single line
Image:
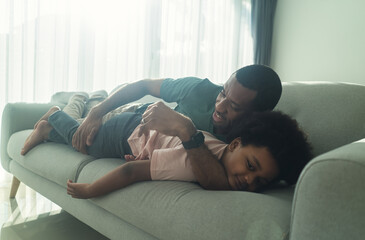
{"points": [[61, 45]]}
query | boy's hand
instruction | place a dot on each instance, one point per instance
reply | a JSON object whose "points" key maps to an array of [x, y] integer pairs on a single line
{"points": [[78, 190], [129, 157]]}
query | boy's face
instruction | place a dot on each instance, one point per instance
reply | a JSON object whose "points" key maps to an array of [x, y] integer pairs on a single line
{"points": [[249, 168], [231, 104]]}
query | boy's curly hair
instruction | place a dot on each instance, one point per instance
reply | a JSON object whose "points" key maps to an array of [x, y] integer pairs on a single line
{"points": [[281, 135]]}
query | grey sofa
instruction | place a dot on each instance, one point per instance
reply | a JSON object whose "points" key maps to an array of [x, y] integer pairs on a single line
{"points": [[328, 201]]}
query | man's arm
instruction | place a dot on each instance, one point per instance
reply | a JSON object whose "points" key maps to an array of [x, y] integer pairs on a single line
{"points": [[85, 134], [207, 169]]}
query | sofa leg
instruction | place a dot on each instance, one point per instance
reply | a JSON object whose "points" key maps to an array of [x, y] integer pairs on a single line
{"points": [[14, 187]]}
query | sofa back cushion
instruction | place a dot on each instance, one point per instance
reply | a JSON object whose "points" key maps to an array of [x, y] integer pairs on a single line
{"points": [[332, 114]]}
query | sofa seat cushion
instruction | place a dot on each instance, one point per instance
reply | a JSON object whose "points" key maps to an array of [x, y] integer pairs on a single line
{"points": [[54, 161], [182, 210]]}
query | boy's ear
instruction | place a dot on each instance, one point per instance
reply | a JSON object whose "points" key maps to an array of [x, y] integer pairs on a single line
{"points": [[235, 143]]}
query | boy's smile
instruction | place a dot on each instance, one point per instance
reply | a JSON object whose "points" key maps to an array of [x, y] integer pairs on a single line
{"points": [[249, 168]]}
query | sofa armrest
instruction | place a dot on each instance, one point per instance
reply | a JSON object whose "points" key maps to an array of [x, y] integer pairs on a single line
{"points": [[329, 199], [17, 117]]}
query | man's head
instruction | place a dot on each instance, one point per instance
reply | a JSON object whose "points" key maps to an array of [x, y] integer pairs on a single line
{"points": [[249, 89], [265, 147]]}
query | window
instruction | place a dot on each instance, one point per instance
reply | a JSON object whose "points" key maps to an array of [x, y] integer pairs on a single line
{"points": [[67, 45]]}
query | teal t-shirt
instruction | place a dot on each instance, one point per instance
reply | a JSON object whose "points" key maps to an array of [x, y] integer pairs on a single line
{"points": [[195, 98]]}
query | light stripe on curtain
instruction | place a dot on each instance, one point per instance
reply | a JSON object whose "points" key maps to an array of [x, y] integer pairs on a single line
{"points": [[85, 45]]}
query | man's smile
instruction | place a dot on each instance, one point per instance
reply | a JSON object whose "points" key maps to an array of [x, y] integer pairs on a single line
{"points": [[218, 117]]}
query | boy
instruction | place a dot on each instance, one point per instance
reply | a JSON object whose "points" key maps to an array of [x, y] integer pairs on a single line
{"points": [[265, 147]]}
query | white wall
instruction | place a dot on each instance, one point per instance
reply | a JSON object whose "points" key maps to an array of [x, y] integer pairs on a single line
{"points": [[319, 40]]}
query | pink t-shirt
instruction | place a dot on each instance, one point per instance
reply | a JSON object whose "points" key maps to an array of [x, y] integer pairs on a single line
{"points": [[169, 160]]}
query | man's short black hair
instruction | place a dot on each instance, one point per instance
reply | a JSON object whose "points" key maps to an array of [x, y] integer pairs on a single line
{"points": [[281, 134], [265, 81]]}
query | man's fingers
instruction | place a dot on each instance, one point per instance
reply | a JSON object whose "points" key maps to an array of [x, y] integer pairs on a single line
{"points": [[78, 143], [83, 149], [152, 108], [74, 138], [77, 140], [145, 126], [147, 115], [91, 136], [142, 130]]}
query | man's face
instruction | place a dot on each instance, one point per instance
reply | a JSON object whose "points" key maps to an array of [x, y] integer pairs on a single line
{"points": [[231, 104]]}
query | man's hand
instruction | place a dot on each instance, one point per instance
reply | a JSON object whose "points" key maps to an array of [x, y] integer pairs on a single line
{"points": [[86, 132], [206, 167], [165, 120], [84, 136]]}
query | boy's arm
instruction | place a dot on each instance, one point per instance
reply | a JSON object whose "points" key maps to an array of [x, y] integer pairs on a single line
{"points": [[84, 135], [122, 176], [207, 169]]}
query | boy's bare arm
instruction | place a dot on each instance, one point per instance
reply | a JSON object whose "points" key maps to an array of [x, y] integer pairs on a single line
{"points": [[84, 135], [122, 176], [207, 169]]}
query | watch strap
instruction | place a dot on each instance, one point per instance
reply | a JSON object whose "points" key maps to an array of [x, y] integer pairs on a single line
{"points": [[195, 141]]}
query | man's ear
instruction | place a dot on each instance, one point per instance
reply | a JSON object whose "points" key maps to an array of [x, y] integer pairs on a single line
{"points": [[234, 144]]}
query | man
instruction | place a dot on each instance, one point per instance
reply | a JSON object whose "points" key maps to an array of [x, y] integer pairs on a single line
{"points": [[201, 105]]}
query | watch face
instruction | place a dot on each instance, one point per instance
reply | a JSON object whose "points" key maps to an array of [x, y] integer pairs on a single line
{"points": [[196, 141]]}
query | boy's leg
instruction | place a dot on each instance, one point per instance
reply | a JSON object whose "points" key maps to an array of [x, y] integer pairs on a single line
{"points": [[39, 134], [99, 96], [64, 127], [76, 105], [130, 107], [47, 114], [95, 98], [111, 139]]}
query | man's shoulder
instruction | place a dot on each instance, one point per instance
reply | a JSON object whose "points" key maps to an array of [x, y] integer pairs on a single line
{"points": [[178, 89], [190, 83], [185, 81]]}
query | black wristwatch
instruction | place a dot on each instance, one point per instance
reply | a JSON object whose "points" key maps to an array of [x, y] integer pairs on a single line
{"points": [[195, 141]]}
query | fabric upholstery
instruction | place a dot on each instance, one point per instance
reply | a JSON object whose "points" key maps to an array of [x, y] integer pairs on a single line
{"points": [[102, 221], [187, 209], [17, 117], [328, 202], [54, 161], [330, 198], [332, 114]]}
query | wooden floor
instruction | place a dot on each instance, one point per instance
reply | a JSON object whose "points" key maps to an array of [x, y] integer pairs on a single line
{"points": [[30, 216]]}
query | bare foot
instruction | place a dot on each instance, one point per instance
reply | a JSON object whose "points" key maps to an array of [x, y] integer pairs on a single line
{"points": [[37, 136], [46, 116], [78, 190]]}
